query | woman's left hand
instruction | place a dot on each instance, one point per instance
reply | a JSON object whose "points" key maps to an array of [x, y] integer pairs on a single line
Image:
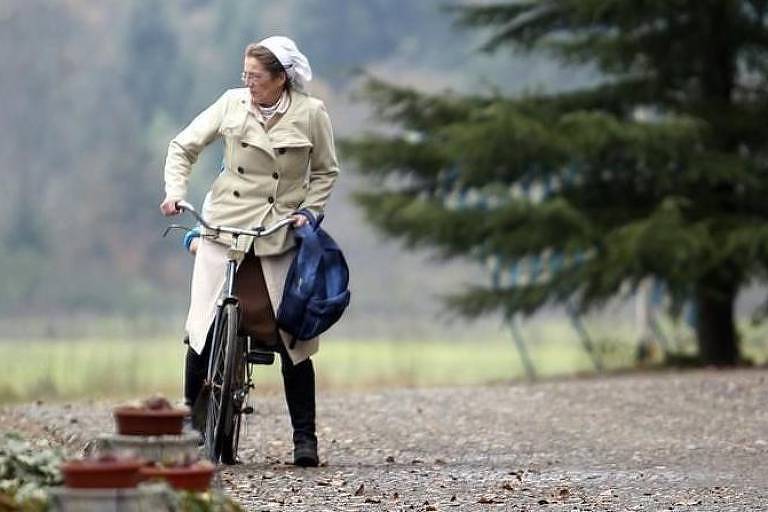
{"points": [[299, 220]]}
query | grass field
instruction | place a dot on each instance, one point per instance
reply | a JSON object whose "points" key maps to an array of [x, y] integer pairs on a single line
{"points": [[99, 368], [96, 368]]}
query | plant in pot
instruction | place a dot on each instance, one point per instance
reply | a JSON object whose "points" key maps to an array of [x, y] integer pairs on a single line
{"points": [[188, 473], [154, 416], [102, 470]]}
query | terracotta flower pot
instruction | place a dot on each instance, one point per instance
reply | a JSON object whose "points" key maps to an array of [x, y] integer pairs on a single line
{"points": [[196, 477], [138, 421], [101, 474]]}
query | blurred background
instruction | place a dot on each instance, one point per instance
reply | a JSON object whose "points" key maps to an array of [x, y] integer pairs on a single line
{"points": [[92, 299]]}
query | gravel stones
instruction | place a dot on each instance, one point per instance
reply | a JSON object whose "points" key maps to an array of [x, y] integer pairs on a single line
{"points": [[658, 441]]}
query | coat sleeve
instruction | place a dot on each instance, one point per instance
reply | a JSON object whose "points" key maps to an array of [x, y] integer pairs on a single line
{"points": [[187, 145], [323, 164]]}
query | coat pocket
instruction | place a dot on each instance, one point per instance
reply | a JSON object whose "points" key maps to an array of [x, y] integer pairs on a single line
{"points": [[293, 161]]}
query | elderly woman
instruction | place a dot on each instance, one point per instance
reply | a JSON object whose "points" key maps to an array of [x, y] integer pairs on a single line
{"points": [[279, 157]]}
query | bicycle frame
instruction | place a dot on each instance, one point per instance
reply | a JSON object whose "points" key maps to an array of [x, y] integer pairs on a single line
{"points": [[238, 395], [228, 294]]}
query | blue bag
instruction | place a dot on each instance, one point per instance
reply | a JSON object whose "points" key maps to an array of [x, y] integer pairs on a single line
{"points": [[316, 289]]}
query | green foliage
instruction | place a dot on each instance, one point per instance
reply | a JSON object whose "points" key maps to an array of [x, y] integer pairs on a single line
{"points": [[658, 170], [26, 469]]}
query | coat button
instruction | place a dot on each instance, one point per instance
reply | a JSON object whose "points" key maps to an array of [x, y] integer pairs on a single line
{"points": [[240, 170], [236, 193], [244, 144], [271, 199], [281, 151], [275, 175]]}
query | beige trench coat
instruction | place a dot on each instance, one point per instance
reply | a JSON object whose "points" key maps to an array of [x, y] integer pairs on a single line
{"points": [[267, 176]]}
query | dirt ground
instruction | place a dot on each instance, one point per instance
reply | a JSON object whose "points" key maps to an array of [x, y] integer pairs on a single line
{"points": [[659, 441]]}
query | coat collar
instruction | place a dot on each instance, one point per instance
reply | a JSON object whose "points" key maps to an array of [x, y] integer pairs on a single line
{"points": [[289, 131]]}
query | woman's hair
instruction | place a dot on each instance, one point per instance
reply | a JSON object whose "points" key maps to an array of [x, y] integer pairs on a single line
{"points": [[268, 60]]}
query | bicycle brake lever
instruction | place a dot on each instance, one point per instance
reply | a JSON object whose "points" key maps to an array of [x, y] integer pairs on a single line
{"points": [[175, 226]]}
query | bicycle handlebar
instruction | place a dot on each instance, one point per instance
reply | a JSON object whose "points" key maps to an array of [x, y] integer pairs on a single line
{"points": [[257, 232]]}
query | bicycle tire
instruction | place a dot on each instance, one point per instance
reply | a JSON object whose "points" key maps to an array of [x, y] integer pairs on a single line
{"points": [[232, 417], [227, 424], [220, 397]]}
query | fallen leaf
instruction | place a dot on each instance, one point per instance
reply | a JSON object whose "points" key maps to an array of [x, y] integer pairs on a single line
{"points": [[360, 490], [372, 500], [688, 503]]}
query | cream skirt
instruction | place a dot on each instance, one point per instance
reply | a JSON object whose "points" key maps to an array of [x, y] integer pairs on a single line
{"points": [[208, 282]]}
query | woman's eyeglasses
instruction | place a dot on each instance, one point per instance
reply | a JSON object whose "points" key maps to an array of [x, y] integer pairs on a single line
{"points": [[249, 78]]}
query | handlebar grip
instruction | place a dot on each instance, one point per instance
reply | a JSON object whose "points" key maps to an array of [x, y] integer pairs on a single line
{"points": [[184, 205]]}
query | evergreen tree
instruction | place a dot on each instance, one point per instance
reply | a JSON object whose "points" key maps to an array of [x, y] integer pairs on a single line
{"points": [[155, 75], [658, 170]]}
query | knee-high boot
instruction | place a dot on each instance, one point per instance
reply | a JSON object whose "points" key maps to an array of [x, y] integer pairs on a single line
{"points": [[195, 373], [299, 381]]}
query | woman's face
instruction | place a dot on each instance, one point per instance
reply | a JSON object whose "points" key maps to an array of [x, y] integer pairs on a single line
{"points": [[265, 89]]}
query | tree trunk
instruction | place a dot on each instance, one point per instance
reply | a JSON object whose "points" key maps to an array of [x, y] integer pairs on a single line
{"points": [[715, 326]]}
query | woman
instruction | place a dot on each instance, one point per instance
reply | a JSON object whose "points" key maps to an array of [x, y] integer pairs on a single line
{"points": [[279, 157]]}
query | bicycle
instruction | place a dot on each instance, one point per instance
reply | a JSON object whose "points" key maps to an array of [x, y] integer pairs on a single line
{"points": [[232, 356]]}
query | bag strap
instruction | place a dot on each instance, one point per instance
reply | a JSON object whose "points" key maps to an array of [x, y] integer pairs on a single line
{"points": [[308, 258]]}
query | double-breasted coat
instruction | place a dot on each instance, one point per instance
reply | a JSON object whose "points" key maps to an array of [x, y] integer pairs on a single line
{"points": [[268, 175]]}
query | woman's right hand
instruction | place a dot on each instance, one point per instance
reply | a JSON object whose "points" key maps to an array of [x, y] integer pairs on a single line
{"points": [[168, 207]]}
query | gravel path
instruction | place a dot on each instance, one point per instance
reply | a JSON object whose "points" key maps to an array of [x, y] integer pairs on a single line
{"points": [[690, 441]]}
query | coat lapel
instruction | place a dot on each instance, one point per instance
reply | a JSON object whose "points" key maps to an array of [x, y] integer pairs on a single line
{"points": [[291, 130], [253, 132]]}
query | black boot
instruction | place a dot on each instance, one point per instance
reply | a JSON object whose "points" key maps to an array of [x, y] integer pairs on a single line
{"points": [[196, 370], [299, 383], [194, 374]]}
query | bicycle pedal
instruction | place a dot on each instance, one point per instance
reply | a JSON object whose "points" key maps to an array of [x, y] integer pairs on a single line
{"points": [[247, 410], [258, 357]]}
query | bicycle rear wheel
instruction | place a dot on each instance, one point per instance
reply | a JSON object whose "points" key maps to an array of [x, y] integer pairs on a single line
{"points": [[226, 371]]}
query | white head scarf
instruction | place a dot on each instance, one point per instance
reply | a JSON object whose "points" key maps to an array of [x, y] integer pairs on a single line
{"points": [[295, 63]]}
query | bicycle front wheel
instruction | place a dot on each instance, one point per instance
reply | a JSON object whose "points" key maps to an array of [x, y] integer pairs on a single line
{"points": [[226, 370]]}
